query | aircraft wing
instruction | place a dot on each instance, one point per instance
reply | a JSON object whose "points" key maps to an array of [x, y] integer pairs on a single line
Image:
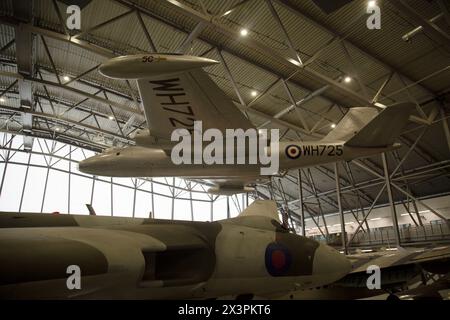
{"points": [[175, 101], [175, 92], [397, 267]]}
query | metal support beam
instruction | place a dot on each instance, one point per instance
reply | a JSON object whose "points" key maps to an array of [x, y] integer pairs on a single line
{"points": [[342, 37], [73, 90], [391, 200], [445, 7], [102, 24], [184, 46], [362, 165], [408, 36], [231, 78], [300, 201], [294, 105], [445, 126], [341, 213], [151, 44], [384, 84], [283, 29], [354, 70], [415, 18], [259, 46], [24, 59]]}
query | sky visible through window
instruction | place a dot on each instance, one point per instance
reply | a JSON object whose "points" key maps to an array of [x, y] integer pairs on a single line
{"points": [[52, 183]]}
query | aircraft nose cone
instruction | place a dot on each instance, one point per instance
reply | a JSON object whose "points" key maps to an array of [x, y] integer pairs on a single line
{"points": [[89, 165], [330, 263]]}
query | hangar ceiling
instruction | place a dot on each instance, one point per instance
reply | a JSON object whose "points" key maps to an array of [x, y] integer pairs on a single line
{"points": [[293, 54]]}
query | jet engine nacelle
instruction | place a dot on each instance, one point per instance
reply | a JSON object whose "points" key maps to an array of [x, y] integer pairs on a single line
{"points": [[143, 138], [229, 191]]}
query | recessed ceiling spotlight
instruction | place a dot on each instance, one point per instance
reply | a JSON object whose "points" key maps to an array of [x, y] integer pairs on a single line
{"points": [[111, 118], [333, 125], [244, 32], [254, 93], [371, 3], [66, 78], [2, 99], [347, 79]]}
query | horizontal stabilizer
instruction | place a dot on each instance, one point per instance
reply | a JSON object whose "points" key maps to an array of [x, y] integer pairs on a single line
{"points": [[384, 128], [265, 208]]}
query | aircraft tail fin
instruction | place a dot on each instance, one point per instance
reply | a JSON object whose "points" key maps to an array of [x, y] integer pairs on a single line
{"points": [[353, 121], [366, 127], [265, 208], [384, 128]]}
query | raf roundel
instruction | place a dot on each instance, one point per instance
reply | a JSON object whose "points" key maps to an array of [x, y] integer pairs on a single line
{"points": [[293, 152], [278, 259]]}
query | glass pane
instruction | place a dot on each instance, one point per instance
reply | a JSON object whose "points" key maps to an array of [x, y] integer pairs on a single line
{"points": [[202, 211], [124, 181], [38, 160], [56, 195], [34, 189], [102, 198], [159, 188], [220, 209], [60, 164], [143, 204], [235, 205], [123, 201], [163, 207], [12, 187], [80, 194], [182, 210], [19, 156]]}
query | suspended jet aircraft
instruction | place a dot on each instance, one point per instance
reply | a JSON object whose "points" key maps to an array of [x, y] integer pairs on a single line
{"points": [[127, 258], [176, 92]]}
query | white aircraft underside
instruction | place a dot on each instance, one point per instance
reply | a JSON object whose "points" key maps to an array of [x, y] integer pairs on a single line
{"points": [[176, 92]]}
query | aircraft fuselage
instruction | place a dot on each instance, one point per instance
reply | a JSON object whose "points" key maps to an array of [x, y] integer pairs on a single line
{"points": [[154, 162], [124, 258]]}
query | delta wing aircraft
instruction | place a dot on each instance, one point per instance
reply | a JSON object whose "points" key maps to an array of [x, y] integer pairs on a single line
{"points": [[251, 255], [176, 92], [128, 258]]}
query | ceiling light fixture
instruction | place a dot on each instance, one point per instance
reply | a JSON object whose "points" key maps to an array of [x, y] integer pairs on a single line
{"points": [[347, 79], [244, 32], [254, 93], [66, 78]]}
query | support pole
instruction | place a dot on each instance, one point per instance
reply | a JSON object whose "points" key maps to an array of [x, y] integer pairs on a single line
{"points": [[300, 201], [341, 213], [391, 200]]}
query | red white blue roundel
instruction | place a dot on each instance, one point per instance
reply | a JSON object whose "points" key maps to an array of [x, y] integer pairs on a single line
{"points": [[293, 152], [278, 259]]}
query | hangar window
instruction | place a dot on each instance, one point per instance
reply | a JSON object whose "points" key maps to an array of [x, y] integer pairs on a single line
{"points": [[47, 180]]}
